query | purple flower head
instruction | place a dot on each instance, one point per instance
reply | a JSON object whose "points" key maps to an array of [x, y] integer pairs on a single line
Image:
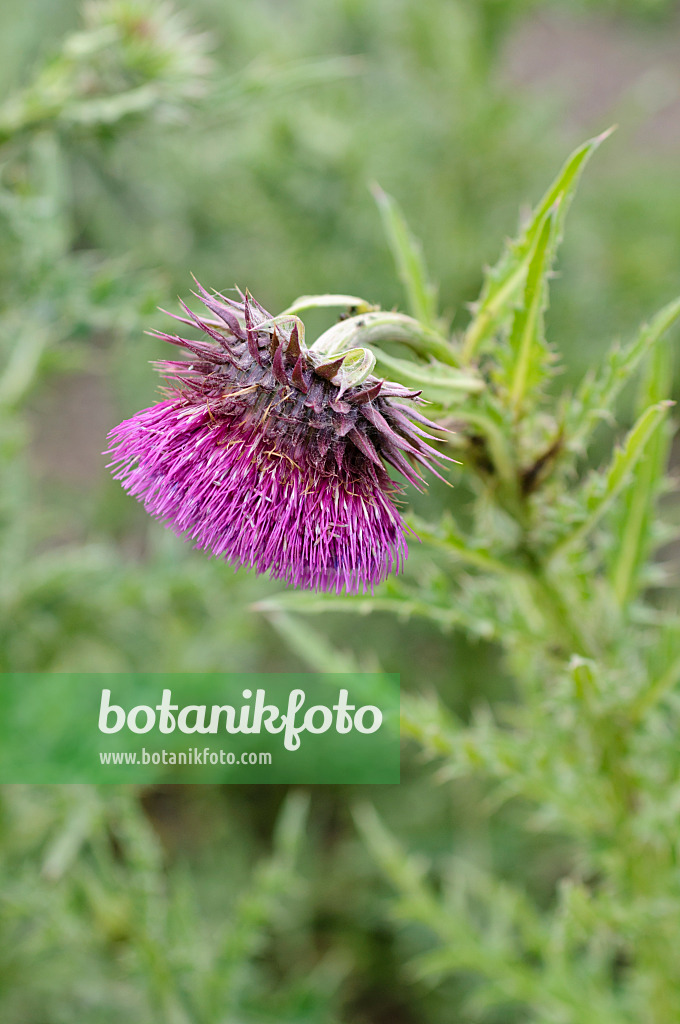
{"points": [[270, 455]]}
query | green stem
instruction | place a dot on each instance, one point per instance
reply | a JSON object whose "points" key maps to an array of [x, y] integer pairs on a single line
{"points": [[560, 613], [501, 455]]}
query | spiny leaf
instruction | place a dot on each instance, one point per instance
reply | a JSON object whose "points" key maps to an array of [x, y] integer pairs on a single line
{"points": [[404, 607], [429, 723], [406, 872], [504, 281], [408, 256], [635, 522], [446, 537], [602, 488], [273, 880], [484, 925], [527, 343], [488, 418], [595, 397]]}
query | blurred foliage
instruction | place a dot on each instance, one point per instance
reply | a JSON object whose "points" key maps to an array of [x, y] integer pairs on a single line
{"points": [[559, 567], [239, 141]]}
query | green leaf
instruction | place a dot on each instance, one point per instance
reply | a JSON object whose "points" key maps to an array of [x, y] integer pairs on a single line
{"points": [[527, 342], [503, 282], [408, 256], [406, 872], [290, 827], [385, 326], [658, 687], [273, 881], [481, 924], [594, 399], [487, 417], [329, 301], [404, 607], [262, 80], [636, 520], [438, 383], [426, 721], [23, 365], [312, 647], [601, 489], [446, 537]]}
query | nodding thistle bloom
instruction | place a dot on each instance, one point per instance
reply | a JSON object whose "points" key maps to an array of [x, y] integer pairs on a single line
{"points": [[272, 455]]}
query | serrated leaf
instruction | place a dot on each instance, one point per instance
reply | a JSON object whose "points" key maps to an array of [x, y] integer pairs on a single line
{"points": [[602, 488], [431, 725], [527, 347], [446, 537], [636, 520], [404, 607], [407, 873], [408, 256], [504, 281], [595, 397]]}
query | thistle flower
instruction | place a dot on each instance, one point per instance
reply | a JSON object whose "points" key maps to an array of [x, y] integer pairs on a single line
{"points": [[272, 455]]}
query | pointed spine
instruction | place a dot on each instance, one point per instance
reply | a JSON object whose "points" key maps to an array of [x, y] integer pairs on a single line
{"points": [[251, 334], [369, 395], [294, 351], [298, 376], [202, 349], [278, 369], [329, 370]]}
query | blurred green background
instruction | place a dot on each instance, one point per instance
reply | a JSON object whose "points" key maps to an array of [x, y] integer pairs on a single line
{"points": [[239, 143]]}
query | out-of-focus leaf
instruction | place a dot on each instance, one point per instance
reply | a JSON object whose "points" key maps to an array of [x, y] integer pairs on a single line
{"points": [[407, 251], [602, 488], [403, 607], [594, 399], [20, 372], [635, 520], [447, 538], [262, 81], [314, 649]]}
